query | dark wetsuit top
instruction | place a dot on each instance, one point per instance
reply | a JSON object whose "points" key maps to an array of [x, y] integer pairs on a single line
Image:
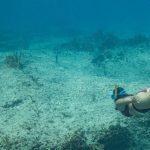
{"points": [[141, 110], [126, 112]]}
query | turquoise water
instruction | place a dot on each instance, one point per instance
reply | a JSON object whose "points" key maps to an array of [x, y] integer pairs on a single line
{"points": [[59, 61]]}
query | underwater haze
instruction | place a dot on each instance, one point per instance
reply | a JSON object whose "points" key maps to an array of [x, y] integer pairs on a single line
{"points": [[59, 63], [50, 15]]}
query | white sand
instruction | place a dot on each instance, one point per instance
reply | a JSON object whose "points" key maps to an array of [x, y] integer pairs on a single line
{"points": [[58, 99]]}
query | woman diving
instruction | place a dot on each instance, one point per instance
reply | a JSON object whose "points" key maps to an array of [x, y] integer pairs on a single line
{"points": [[131, 104]]}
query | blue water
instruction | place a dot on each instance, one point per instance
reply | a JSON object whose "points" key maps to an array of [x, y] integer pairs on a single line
{"points": [[37, 15], [59, 61]]}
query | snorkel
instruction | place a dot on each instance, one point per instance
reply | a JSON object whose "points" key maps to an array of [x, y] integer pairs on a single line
{"points": [[118, 92], [115, 88]]}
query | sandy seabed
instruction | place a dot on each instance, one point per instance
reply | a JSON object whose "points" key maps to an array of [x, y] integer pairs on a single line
{"points": [[46, 101]]}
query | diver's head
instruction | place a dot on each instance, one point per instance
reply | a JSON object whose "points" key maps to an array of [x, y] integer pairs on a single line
{"points": [[118, 92]]}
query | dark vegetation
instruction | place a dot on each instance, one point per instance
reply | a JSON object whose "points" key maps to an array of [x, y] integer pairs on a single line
{"points": [[116, 137], [14, 61], [104, 41], [15, 43], [6, 142], [137, 40], [102, 44], [57, 53], [12, 104], [79, 44], [110, 42], [78, 141], [107, 41]]}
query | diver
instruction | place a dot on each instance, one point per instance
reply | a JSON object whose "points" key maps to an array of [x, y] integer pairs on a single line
{"points": [[131, 104]]}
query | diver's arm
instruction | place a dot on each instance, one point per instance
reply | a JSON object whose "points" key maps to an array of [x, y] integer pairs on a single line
{"points": [[124, 101]]}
